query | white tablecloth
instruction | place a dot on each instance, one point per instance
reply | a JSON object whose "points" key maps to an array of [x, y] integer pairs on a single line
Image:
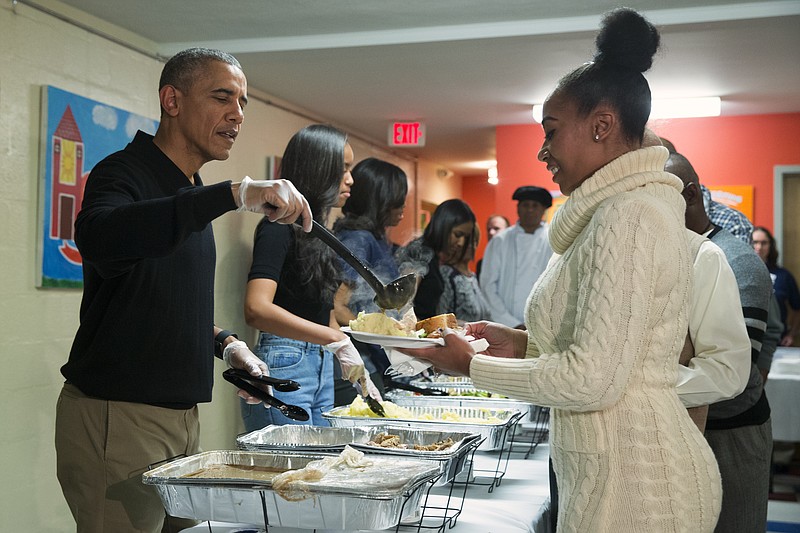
{"points": [[517, 505], [783, 393]]}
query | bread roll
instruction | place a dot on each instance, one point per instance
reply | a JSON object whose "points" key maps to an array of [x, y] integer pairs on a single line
{"points": [[433, 324]]}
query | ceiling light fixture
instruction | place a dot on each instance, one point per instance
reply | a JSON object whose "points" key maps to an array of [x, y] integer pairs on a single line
{"points": [[670, 108], [491, 172], [686, 107]]}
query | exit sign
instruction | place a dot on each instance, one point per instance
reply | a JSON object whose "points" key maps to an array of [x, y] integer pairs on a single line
{"points": [[407, 134]]}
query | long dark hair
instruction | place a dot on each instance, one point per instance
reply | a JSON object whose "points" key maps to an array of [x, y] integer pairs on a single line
{"points": [[378, 187], [772, 255], [314, 162], [447, 215], [625, 46]]}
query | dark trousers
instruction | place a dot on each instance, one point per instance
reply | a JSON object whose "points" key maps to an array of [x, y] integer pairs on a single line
{"points": [[553, 497]]}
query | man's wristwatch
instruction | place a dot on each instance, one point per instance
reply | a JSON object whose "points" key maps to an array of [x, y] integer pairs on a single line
{"points": [[219, 340]]}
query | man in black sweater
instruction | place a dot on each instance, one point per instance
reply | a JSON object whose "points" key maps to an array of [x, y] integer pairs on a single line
{"points": [[142, 358]]}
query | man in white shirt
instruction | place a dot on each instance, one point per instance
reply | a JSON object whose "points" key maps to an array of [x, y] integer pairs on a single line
{"points": [[721, 364], [515, 258]]}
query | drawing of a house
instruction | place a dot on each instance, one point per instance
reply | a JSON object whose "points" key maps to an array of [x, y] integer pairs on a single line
{"points": [[66, 192]]}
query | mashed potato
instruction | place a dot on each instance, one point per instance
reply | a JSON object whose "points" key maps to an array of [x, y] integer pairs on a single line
{"points": [[377, 323], [360, 408]]}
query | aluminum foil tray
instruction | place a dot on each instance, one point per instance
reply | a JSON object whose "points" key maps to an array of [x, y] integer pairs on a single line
{"points": [[444, 379], [429, 417], [331, 440], [451, 461], [376, 497], [311, 439], [526, 408]]}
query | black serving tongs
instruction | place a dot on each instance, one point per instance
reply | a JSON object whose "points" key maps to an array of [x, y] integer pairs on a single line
{"points": [[373, 404], [243, 380], [425, 391]]}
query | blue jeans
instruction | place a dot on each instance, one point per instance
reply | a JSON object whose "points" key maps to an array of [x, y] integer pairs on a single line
{"points": [[308, 364]]}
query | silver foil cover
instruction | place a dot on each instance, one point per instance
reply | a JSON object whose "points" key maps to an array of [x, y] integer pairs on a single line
{"points": [[375, 497]]}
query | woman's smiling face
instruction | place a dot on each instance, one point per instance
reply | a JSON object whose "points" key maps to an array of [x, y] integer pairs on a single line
{"points": [[568, 145]]}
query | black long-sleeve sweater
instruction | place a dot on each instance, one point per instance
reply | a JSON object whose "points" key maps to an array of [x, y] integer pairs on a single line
{"points": [[146, 318]]}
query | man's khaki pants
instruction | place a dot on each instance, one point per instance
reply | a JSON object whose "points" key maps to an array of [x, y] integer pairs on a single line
{"points": [[102, 449]]}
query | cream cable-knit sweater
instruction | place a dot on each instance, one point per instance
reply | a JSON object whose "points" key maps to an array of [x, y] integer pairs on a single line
{"points": [[606, 324]]}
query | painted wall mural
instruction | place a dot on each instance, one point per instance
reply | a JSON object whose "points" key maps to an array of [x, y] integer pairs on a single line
{"points": [[76, 134]]}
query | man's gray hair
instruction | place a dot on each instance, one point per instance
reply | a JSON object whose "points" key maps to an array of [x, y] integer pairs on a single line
{"points": [[183, 68]]}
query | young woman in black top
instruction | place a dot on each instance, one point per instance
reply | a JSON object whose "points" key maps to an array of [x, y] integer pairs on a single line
{"points": [[293, 279]]}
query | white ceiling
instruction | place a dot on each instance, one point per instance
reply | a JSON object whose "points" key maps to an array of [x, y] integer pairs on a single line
{"points": [[464, 66]]}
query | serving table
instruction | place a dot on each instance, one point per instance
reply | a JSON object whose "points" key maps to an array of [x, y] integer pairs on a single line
{"points": [[783, 393], [519, 504]]}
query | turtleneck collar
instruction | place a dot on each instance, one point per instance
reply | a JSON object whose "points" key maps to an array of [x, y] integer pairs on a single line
{"points": [[629, 171]]}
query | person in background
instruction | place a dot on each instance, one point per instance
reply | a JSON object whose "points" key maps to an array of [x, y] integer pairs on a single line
{"points": [[494, 225], [607, 320], [514, 259], [143, 356], [446, 240], [715, 361], [462, 295], [738, 225], [728, 218], [376, 203], [783, 282], [292, 281], [738, 430], [732, 220]]}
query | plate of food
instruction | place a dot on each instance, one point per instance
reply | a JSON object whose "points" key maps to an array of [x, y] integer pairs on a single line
{"points": [[378, 328], [393, 341]]}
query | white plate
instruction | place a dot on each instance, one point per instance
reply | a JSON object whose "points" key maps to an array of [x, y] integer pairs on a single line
{"points": [[391, 341]]}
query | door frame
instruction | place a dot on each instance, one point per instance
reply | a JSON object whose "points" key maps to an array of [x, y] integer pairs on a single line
{"points": [[777, 199]]}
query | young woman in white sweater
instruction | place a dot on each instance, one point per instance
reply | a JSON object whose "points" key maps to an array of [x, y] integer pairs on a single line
{"points": [[607, 320]]}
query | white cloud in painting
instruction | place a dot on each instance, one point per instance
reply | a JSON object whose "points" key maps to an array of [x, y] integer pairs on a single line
{"points": [[136, 122], [105, 117]]}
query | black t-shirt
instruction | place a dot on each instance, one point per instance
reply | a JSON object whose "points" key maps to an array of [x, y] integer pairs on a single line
{"points": [[275, 258]]}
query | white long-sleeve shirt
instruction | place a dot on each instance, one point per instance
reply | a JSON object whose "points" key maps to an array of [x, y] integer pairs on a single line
{"points": [[721, 365], [512, 263]]}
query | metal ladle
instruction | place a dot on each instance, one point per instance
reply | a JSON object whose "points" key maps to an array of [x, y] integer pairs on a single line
{"points": [[392, 295]]}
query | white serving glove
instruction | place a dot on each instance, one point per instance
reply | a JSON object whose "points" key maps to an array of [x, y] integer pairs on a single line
{"points": [[237, 355], [278, 199], [365, 383], [352, 365]]}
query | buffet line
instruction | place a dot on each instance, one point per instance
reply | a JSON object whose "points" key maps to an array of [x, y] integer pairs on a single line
{"points": [[364, 472]]}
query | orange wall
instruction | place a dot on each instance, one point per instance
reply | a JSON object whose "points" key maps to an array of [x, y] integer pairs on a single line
{"points": [[741, 150]]}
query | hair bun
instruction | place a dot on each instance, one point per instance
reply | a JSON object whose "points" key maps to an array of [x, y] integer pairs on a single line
{"points": [[626, 39]]}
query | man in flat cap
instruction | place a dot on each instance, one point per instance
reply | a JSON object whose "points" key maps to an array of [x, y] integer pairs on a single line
{"points": [[515, 258]]}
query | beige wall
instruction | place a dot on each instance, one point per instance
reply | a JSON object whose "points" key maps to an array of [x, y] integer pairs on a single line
{"points": [[38, 325]]}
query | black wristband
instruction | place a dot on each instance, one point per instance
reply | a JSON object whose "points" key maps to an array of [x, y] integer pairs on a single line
{"points": [[219, 339]]}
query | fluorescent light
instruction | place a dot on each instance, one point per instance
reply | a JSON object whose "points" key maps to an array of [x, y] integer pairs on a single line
{"points": [[686, 107], [537, 112], [670, 108]]}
